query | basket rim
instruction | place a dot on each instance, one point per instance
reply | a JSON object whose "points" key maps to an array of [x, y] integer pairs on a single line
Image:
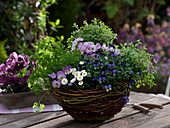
{"points": [[70, 92]]}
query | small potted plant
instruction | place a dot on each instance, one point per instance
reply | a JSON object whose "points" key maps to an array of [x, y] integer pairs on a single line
{"points": [[92, 80], [14, 74]]}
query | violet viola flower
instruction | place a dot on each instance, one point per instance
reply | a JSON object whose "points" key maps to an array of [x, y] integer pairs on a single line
{"points": [[3, 67], [93, 54], [118, 52], [53, 76], [66, 69], [98, 46], [104, 47], [56, 84], [79, 39], [108, 88], [94, 79], [89, 43], [126, 99], [60, 75], [88, 49], [69, 84], [81, 48], [23, 60], [93, 47], [13, 55]]}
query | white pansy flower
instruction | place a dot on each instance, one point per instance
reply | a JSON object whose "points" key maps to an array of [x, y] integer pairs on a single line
{"points": [[81, 62], [79, 78], [73, 73], [77, 74], [73, 80], [83, 71], [80, 83], [84, 74], [73, 69], [67, 72], [60, 77], [64, 81]]}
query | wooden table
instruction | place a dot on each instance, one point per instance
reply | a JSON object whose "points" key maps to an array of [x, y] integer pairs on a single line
{"points": [[127, 118]]}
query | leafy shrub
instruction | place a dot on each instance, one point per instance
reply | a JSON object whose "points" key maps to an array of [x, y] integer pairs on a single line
{"points": [[96, 32], [50, 56], [23, 23]]}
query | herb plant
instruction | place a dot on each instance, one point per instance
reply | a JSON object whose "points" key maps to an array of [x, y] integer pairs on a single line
{"points": [[96, 32], [50, 56], [106, 67]]}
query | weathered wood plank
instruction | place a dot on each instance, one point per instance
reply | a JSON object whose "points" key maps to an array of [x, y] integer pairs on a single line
{"points": [[127, 112], [31, 120], [55, 123], [14, 117], [140, 119], [63, 120]]}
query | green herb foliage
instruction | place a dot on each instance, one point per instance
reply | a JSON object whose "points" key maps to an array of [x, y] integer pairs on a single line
{"points": [[135, 57], [96, 32], [50, 56]]}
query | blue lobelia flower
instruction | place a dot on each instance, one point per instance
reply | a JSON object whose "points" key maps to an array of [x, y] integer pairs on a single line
{"points": [[126, 99]]}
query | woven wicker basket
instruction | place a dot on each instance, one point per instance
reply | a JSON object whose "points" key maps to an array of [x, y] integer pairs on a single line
{"points": [[91, 105]]}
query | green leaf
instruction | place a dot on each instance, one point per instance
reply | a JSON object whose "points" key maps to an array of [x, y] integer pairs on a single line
{"points": [[111, 10], [57, 22], [62, 37], [131, 2], [52, 23]]}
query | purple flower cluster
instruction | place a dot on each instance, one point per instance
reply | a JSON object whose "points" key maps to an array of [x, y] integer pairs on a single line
{"points": [[156, 40], [60, 76], [15, 63], [89, 48], [9, 73]]}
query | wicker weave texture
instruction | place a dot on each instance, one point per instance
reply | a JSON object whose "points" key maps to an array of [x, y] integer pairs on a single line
{"points": [[91, 105]]}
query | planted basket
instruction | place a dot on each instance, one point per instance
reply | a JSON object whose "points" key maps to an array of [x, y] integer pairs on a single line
{"points": [[91, 105]]}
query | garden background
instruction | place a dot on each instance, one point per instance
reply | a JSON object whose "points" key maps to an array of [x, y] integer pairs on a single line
{"points": [[24, 22]]}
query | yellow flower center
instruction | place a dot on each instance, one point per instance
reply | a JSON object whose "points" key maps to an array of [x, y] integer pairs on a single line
{"points": [[56, 85]]}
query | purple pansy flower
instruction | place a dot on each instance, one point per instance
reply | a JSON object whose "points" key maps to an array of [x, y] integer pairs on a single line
{"points": [[104, 47], [88, 49], [56, 84], [53, 76], [98, 46], [118, 52], [93, 47], [3, 67], [66, 69], [69, 84]]}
